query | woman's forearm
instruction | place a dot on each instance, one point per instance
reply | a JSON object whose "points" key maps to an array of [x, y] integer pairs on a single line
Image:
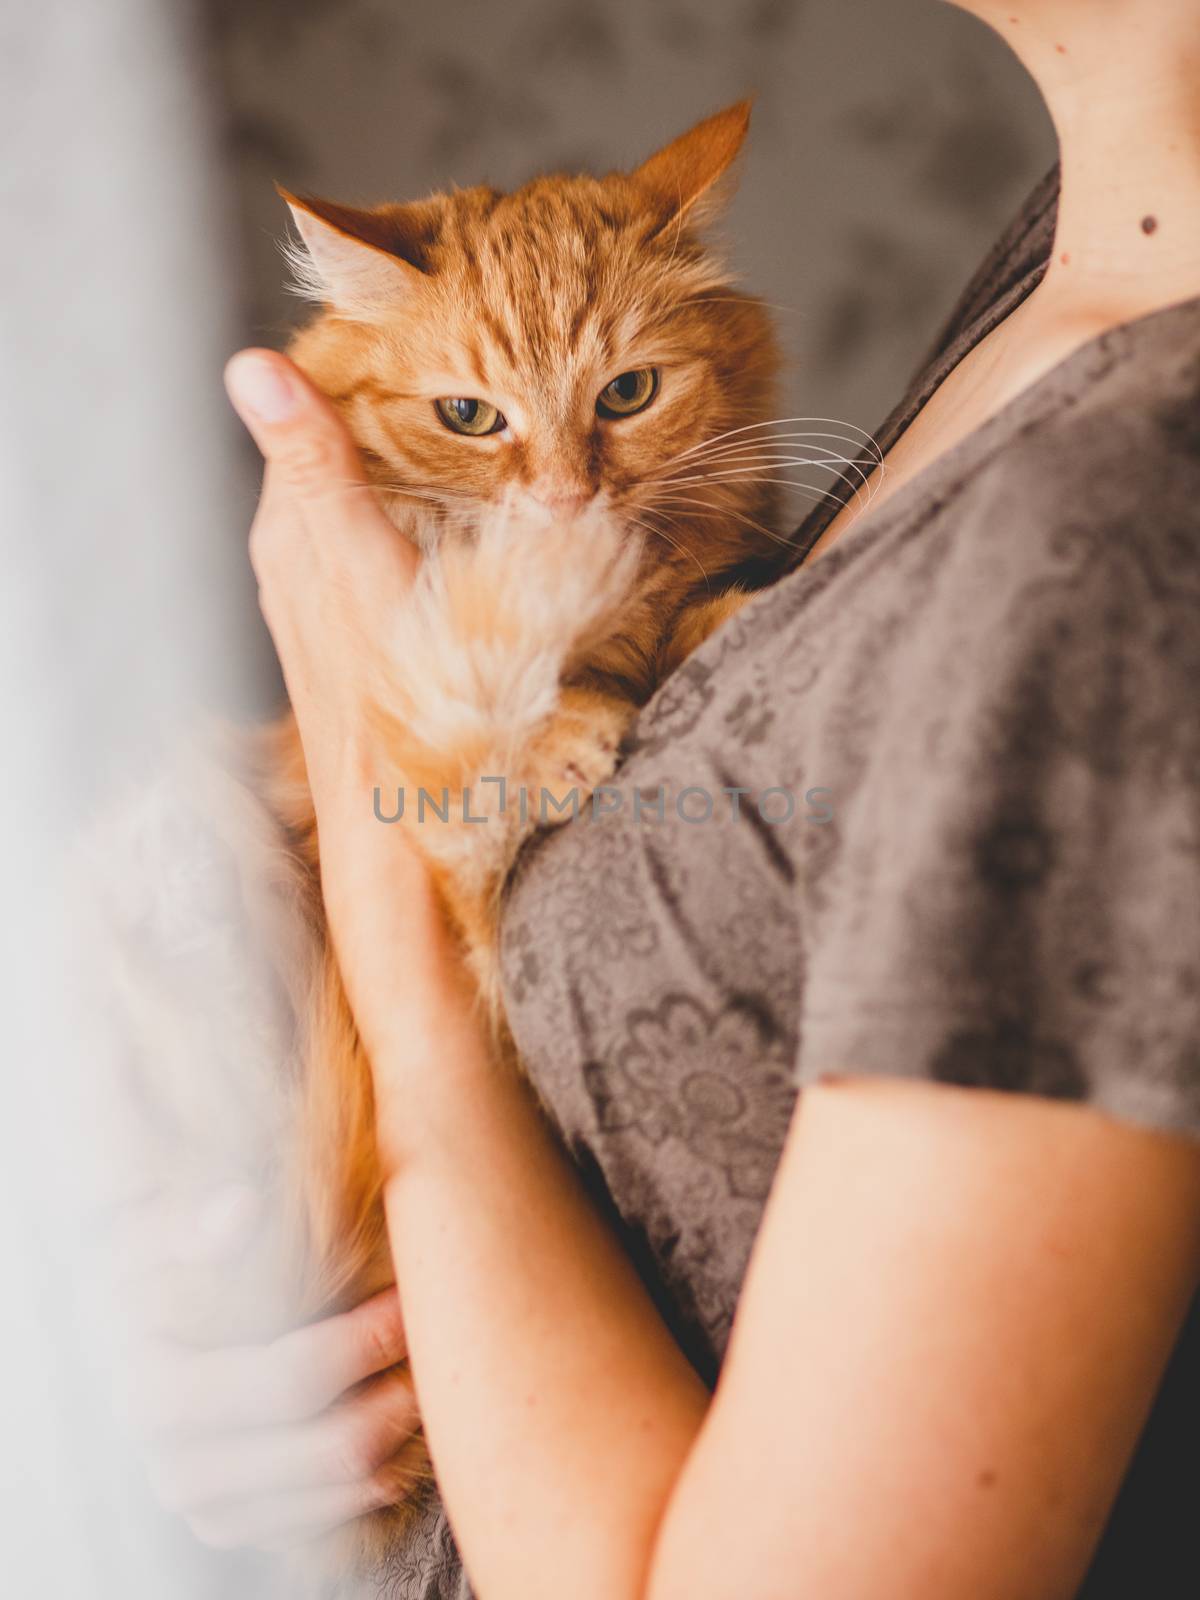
{"points": [[559, 1409]]}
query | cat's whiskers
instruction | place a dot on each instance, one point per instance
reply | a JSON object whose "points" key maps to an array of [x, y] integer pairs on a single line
{"points": [[782, 454], [424, 492], [661, 533], [807, 491], [409, 491], [742, 466], [868, 444], [780, 449], [735, 469], [847, 430], [793, 440], [731, 511], [763, 473], [854, 476]]}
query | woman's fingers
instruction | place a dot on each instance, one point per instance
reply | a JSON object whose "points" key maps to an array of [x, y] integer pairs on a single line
{"points": [[314, 475], [280, 1522], [301, 436], [319, 1363], [347, 1444], [183, 1390], [332, 569]]}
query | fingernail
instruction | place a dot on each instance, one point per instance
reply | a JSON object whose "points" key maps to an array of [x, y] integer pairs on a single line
{"points": [[260, 388]]}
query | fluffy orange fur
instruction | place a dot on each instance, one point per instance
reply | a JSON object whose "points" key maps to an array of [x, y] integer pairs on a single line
{"points": [[572, 558]]}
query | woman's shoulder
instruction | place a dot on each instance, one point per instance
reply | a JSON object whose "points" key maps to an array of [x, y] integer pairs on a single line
{"points": [[1014, 895]]}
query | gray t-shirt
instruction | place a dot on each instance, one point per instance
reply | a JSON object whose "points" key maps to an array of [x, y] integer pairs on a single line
{"points": [[941, 820]]}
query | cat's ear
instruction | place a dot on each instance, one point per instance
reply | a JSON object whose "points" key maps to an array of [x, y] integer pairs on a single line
{"points": [[683, 176], [358, 262]]}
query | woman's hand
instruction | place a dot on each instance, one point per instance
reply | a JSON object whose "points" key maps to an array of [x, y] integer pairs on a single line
{"points": [[267, 1445], [333, 575], [331, 568]]}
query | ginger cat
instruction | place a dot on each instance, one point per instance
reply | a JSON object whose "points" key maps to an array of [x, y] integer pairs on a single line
{"points": [[561, 397]]}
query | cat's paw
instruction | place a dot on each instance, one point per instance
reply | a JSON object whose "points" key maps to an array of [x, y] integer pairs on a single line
{"points": [[577, 752], [589, 756]]}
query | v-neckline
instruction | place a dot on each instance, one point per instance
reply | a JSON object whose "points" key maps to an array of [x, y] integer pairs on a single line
{"points": [[957, 461], [898, 422], [1008, 274]]}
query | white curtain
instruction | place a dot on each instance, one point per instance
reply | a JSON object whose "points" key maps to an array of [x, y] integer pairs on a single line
{"points": [[125, 492]]}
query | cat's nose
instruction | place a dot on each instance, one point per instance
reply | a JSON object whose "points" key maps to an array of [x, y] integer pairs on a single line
{"points": [[563, 499]]}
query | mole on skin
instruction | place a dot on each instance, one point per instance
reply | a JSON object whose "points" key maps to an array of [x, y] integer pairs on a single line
{"points": [[1149, 224], [829, 1080]]}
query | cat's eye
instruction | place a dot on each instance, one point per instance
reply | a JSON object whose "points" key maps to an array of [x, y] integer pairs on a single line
{"points": [[632, 391], [474, 417]]}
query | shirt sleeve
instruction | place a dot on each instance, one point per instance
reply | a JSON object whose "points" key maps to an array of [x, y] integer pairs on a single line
{"points": [[1018, 896]]}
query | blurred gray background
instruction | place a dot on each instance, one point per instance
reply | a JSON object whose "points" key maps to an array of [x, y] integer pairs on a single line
{"points": [[892, 139]]}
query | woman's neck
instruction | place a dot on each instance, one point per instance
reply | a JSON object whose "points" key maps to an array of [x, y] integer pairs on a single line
{"points": [[1121, 79], [1122, 84]]}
